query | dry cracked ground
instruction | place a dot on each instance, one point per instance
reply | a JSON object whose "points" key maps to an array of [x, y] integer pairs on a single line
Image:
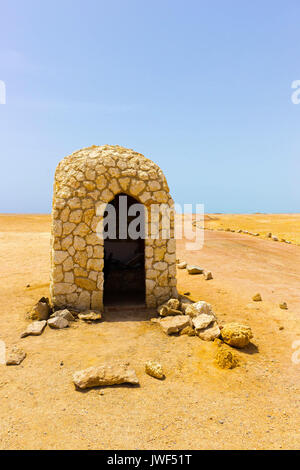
{"points": [[255, 406]]}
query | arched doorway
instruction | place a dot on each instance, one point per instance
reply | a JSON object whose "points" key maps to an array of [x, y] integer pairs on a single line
{"points": [[124, 253]]}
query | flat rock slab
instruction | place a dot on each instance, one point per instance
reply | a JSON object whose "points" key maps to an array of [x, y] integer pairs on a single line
{"points": [[35, 328], [171, 325], [90, 316], [58, 323], [210, 333], [202, 321], [193, 269], [66, 314], [104, 375], [15, 356]]}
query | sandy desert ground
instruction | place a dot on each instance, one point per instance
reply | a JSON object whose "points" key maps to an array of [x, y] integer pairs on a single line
{"points": [[255, 406]]}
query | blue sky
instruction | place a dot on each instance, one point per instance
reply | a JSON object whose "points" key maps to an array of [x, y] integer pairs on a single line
{"points": [[203, 88]]}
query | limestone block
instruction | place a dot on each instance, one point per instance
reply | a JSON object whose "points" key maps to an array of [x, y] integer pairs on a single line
{"points": [[68, 264], [154, 185], [68, 228], [63, 288], [74, 203], [79, 243], [81, 258], [95, 264], [124, 183], [101, 182], [75, 216], [82, 230], [64, 216], [87, 203], [86, 284], [161, 266], [57, 228], [59, 256], [80, 272], [67, 242], [136, 187], [106, 195]]}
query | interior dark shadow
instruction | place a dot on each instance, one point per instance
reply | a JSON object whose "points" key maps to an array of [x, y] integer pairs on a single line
{"points": [[124, 255]]}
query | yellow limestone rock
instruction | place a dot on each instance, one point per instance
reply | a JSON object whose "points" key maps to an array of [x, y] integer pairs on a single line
{"points": [[198, 308], [154, 369], [171, 308], [257, 298], [15, 356], [283, 306], [188, 330], [171, 325], [225, 359], [236, 335], [104, 375]]}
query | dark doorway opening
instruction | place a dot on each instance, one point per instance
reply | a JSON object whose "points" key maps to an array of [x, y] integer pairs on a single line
{"points": [[124, 252]]}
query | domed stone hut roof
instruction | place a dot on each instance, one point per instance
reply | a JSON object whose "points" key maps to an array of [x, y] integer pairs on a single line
{"points": [[83, 180]]}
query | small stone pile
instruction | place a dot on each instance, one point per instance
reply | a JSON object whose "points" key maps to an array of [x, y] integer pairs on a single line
{"points": [[191, 318], [43, 315]]}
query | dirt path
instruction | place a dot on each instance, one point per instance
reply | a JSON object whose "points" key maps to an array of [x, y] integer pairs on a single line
{"points": [[197, 406]]}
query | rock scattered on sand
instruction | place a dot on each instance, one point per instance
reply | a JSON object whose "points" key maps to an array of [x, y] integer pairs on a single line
{"points": [[257, 298], [170, 308], [269, 235], [208, 275], [202, 321], [188, 330], [193, 269], [210, 333], [182, 265], [15, 356], [236, 335], [41, 310], [184, 304], [58, 323], [174, 304], [90, 316], [66, 314], [154, 369], [275, 239], [104, 375], [165, 311], [171, 325], [193, 310], [35, 328], [226, 359], [283, 306]]}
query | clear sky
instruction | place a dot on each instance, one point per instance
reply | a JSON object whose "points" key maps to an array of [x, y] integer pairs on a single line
{"points": [[203, 88]]}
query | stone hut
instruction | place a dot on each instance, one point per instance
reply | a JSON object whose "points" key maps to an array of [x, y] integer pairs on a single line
{"points": [[89, 270]]}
